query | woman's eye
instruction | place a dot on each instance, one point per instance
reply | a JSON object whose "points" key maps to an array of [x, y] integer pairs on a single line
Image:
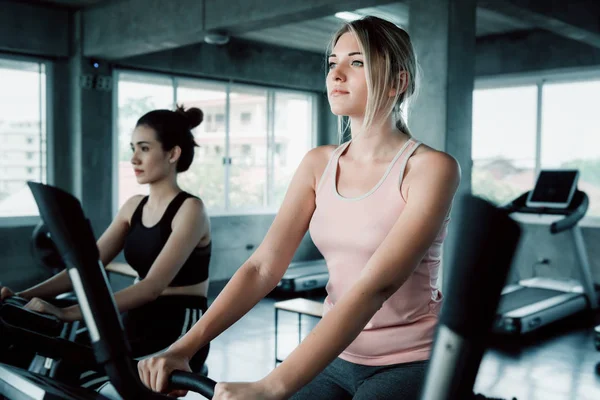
{"points": [[331, 65], [357, 63]]}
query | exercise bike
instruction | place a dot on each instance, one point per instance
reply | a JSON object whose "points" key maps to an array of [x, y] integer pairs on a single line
{"points": [[72, 234]]}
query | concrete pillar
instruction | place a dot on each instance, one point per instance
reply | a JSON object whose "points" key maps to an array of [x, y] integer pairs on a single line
{"points": [[96, 145], [443, 34], [82, 156], [60, 150]]}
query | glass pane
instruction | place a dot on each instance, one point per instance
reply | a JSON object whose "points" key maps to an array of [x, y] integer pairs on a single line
{"points": [[504, 135], [22, 135], [206, 176], [43, 135], [570, 139], [248, 148], [138, 94], [293, 138]]}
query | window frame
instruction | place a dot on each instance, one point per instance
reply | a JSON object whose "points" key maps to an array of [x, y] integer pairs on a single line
{"points": [[29, 220], [540, 79], [229, 85]]}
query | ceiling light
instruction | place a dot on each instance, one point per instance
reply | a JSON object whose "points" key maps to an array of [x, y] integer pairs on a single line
{"points": [[216, 38], [348, 16]]}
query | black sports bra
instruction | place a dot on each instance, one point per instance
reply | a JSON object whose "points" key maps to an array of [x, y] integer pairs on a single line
{"points": [[143, 245]]}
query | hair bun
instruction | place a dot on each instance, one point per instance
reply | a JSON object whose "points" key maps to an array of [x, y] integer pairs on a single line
{"points": [[193, 115]]}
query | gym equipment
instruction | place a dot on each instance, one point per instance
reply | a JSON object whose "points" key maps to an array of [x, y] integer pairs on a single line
{"points": [[488, 237], [597, 337], [43, 249], [305, 275], [533, 303], [461, 318], [597, 344], [45, 354], [554, 189], [74, 239]]}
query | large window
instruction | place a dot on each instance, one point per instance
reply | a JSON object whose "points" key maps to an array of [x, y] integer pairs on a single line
{"points": [[251, 141], [571, 133], [293, 120], [504, 138], [546, 124], [248, 148], [136, 96], [206, 175], [22, 134]]}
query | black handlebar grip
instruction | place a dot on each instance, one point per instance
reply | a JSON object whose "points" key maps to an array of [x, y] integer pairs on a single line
{"points": [[194, 382]]}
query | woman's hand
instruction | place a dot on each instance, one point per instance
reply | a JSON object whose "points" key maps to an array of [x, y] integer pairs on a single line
{"points": [[42, 306], [5, 293], [155, 371], [244, 391]]}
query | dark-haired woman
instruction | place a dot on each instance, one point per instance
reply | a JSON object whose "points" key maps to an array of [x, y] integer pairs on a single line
{"points": [[165, 237]]}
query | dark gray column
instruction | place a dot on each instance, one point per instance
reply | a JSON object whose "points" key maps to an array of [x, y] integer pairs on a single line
{"points": [[60, 150], [96, 144], [86, 170], [443, 33]]}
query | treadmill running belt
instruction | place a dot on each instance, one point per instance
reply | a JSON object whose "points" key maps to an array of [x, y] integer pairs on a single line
{"points": [[524, 297]]}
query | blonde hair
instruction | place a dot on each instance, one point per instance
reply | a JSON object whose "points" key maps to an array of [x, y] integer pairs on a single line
{"points": [[387, 51]]}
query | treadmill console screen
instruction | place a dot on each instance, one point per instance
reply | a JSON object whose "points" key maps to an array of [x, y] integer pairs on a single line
{"points": [[553, 189]]}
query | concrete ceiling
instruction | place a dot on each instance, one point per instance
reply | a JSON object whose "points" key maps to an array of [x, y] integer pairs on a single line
{"points": [[76, 4], [313, 35], [305, 25]]}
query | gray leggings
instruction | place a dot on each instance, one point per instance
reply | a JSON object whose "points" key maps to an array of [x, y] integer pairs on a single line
{"points": [[345, 380]]}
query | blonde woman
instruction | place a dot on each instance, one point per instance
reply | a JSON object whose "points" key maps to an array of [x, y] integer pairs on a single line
{"points": [[377, 208]]}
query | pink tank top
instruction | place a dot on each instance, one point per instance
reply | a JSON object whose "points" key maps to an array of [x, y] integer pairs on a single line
{"points": [[347, 231]]}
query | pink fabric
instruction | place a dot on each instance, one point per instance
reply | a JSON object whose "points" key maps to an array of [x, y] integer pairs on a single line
{"points": [[347, 232]]}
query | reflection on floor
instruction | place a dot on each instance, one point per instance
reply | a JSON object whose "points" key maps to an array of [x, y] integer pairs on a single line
{"points": [[556, 364]]}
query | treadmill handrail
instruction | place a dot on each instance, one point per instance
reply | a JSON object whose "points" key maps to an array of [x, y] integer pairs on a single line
{"points": [[573, 214], [571, 220]]}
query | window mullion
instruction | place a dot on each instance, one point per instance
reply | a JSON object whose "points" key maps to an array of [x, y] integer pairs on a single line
{"points": [[538, 127], [270, 147], [226, 159]]}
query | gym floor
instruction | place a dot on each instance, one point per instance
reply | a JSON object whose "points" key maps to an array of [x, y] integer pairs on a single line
{"points": [[556, 364]]}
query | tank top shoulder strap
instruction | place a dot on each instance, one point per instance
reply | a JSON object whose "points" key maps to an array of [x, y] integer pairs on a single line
{"points": [[173, 207], [412, 147], [332, 161], [136, 217]]}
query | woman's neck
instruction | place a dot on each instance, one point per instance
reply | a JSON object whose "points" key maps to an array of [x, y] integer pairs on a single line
{"points": [[378, 141], [162, 192]]}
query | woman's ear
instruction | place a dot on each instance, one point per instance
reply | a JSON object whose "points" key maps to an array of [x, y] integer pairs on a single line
{"points": [[403, 79], [174, 154]]}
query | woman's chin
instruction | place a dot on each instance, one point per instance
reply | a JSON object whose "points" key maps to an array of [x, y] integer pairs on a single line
{"points": [[339, 111]]}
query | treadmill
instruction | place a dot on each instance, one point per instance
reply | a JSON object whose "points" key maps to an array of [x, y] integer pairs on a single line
{"points": [[304, 275], [533, 303]]}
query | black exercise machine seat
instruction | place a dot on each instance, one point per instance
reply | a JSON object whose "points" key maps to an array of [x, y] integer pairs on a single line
{"points": [[74, 239]]}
